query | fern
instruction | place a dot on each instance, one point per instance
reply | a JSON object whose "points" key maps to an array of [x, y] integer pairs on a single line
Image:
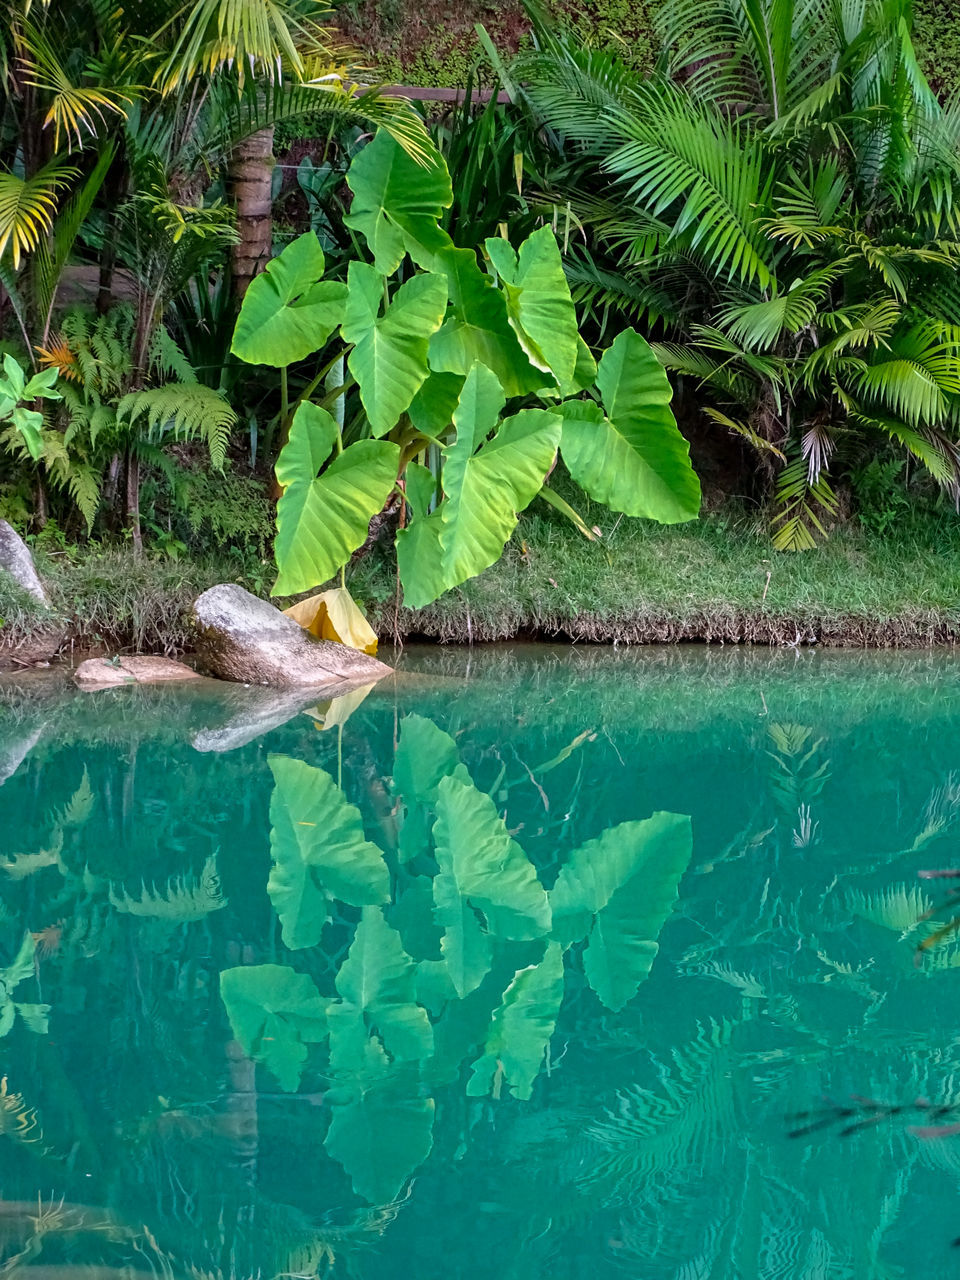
{"points": [[182, 411], [182, 898], [899, 907]]}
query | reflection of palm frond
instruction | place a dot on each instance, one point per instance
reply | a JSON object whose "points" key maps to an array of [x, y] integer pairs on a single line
{"points": [[78, 808], [651, 1133], [799, 775], [17, 1120], [940, 814], [181, 898], [899, 907], [745, 983]]}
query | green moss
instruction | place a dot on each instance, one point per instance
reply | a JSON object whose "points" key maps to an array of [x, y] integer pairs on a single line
{"points": [[937, 37]]}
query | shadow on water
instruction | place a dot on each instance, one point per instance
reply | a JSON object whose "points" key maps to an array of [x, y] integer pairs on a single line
{"points": [[518, 963]]}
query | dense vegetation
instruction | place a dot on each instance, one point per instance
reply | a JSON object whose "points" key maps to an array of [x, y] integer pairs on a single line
{"points": [[769, 214]]}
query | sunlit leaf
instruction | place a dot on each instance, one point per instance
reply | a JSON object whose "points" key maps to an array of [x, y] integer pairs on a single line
{"points": [[479, 328], [539, 306], [321, 520], [288, 311], [396, 201], [389, 360], [632, 458]]}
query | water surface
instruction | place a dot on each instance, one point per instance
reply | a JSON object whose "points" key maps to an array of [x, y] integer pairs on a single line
{"points": [[539, 963]]}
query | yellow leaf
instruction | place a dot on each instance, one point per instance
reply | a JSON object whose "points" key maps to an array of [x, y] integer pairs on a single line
{"points": [[333, 615]]}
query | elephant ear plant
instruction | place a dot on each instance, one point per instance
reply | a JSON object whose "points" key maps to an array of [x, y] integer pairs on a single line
{"points": [[469, 383]]}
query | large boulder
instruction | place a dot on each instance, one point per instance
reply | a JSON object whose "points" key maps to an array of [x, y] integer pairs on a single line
{"points": [[15, 557], [240, 637]]}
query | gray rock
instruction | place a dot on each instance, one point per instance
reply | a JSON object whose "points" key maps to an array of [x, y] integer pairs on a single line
{"points": [[15, 749], [257, 710], [242, 638], [104, 673], [15, 557]]}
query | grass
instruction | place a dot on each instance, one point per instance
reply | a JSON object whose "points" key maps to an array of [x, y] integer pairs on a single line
{"points": [[716, 580]]}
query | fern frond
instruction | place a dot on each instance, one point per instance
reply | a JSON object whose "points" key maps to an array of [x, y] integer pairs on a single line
{"points": [[182, 411]]}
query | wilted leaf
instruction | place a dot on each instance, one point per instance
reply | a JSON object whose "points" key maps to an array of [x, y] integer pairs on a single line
{"points": [[333, 615]]}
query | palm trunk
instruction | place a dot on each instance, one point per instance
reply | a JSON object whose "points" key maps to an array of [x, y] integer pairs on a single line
{"points": [[133, 501], [251, 181]]}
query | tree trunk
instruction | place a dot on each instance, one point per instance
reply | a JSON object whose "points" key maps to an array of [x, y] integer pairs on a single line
{"points": [[133, 501], [251, 182]]}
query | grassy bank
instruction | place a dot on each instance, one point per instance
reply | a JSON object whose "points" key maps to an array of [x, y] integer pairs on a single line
{"points": [[717, 580]]}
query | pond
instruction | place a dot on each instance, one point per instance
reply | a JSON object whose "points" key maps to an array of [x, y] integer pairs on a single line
{"points": [[532, 962]]}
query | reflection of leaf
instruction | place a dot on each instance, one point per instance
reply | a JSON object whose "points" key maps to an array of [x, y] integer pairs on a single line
{"points": [[425, 754], [465, 945], [377, 983], [183, 898], [333, 712], [274, 1013], [486, 866], [36, 1016], [620, 888], [521, 1028], [319, 851], [899, 907], [334, 615], [380, 1136]]}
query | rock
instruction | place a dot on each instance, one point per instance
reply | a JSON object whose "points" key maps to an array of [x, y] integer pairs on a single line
{"points": [[256, 711], [15, 749], [107, 673], [242, 638], [15, 557], [39, 646]]}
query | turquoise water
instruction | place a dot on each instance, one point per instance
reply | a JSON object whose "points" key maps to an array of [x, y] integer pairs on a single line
{"points": [[533, 963]]}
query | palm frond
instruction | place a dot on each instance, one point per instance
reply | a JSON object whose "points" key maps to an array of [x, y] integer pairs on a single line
{"points": [[28, 207]]}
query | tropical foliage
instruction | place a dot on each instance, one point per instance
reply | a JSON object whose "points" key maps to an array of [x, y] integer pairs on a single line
{"points": [[781, 202], [437, 356]]}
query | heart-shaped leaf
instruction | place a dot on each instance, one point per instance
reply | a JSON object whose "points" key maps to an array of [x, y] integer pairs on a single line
{"points": [[389, 360], [288, 311]]}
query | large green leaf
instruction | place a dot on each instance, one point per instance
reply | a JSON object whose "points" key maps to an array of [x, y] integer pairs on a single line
{"points": [[486, 488], [479, 328], [288, 312], [431, 410], [539, 306], [322, 520], [380, 1134], [489, 869], [377, 985], [465, 946], [389, 360], [275, 1013], [618, 891], [425, 754], [520, 1029], [319, 852], [633, 459], [396, 201]]}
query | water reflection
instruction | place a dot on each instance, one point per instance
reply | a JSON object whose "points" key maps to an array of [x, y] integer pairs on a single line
{"points": [[534, 981]]}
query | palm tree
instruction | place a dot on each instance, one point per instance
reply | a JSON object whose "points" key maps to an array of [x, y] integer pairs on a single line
{"points": [[781, 200]]}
